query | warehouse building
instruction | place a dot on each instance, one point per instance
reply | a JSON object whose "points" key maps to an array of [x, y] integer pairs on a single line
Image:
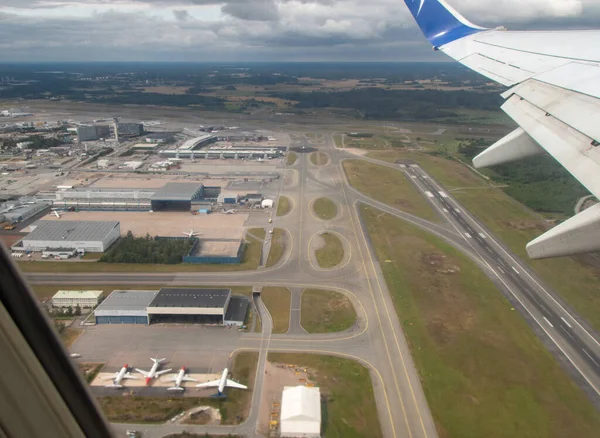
{"points": [[92, 132], [18, 211], [130, 129], [74, 298], [125, 307], [179, 305], [88, 236], [301, 412], [175, 196], [173, 305]]}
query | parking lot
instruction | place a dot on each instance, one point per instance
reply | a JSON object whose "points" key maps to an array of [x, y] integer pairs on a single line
{"points": [[202, 349]]}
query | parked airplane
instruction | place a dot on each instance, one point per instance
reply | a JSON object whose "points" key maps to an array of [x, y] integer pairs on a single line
{"points": [[149, 375], [122, 374], [232, 211], [222, 383], [191, 233], [553, 96], [75, 355], [57, 213], [178, 379]]}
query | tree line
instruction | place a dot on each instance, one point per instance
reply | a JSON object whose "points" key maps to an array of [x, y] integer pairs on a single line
{"points": [[155, 250]]}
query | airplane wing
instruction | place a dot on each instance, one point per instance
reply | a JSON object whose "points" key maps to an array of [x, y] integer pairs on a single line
{"points": [[142, 372], [554, 97], [189, 379], [211, 384], [232, 384], [130, 376], [161, 372]]}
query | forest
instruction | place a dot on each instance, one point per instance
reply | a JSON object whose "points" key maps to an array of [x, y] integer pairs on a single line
{"points": [[130, 249]]}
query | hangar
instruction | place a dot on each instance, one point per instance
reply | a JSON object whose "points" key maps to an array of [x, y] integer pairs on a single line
{"points": [[125, 307], [183, 305], [176, 196], [90, 236], [173, 305]]}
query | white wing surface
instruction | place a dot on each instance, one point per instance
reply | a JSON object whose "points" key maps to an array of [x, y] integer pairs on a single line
{"points": [[232, 384], [211, 384], [554, 98]]}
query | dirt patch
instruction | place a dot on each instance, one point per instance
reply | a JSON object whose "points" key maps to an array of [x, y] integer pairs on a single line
{"points": [[277, 376], [526, 225], [202, 415]]}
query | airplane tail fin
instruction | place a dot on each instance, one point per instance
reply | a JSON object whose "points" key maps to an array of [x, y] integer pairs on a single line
{"points": [[440, 22], [175, 388]]}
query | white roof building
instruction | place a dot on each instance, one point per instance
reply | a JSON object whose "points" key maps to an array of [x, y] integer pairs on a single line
{"points": [[301, 412], [81, 298]]}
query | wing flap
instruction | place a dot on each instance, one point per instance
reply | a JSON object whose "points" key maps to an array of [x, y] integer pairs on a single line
{"points": [[574, 150]]}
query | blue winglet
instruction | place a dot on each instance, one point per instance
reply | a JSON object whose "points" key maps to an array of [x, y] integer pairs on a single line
{"points": [[440, 23]]}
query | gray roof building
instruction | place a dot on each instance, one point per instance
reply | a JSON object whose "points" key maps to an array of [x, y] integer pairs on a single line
{"points": [[191, 297], [125, 307], [236, 310], [178, 192], [63, 230], [91, 236]]}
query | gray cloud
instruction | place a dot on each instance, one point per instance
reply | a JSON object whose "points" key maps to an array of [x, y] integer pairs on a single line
{"points": [[259, 29]]}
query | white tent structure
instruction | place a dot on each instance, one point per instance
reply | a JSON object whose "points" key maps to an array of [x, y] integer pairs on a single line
{"points": [[301, 412]]}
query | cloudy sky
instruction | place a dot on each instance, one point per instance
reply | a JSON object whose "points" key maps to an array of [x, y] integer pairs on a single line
{"points": [[251, 30]]}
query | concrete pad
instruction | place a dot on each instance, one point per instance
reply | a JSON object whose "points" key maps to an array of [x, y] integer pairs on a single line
{"points": [[212, 226]]}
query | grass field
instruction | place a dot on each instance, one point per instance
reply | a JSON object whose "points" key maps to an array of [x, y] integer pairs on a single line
{"points": [[250, 261], [348, 408], [234, 409], [325, 208], [515, 225], [284, 206], [291, 158], [319, 158], [278, 301], [326, 311], [277, 247], [258, 232], [337, 139], [389, 186], [448, 172], [332, 252], [484, 372]]}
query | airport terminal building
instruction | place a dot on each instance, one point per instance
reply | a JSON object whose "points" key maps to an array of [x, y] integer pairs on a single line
{"points": [[173, 305]]}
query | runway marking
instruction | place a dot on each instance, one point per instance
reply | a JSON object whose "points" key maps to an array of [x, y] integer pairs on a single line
{"points": [[443, 195], [565, 321], [468, 235], [567, 332], [457, 210], [483, 236], [515, 269], [445, 210], [501, 270], [413, 176], [428, 193], [591, 358], [403, 166], [549, 323]]}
